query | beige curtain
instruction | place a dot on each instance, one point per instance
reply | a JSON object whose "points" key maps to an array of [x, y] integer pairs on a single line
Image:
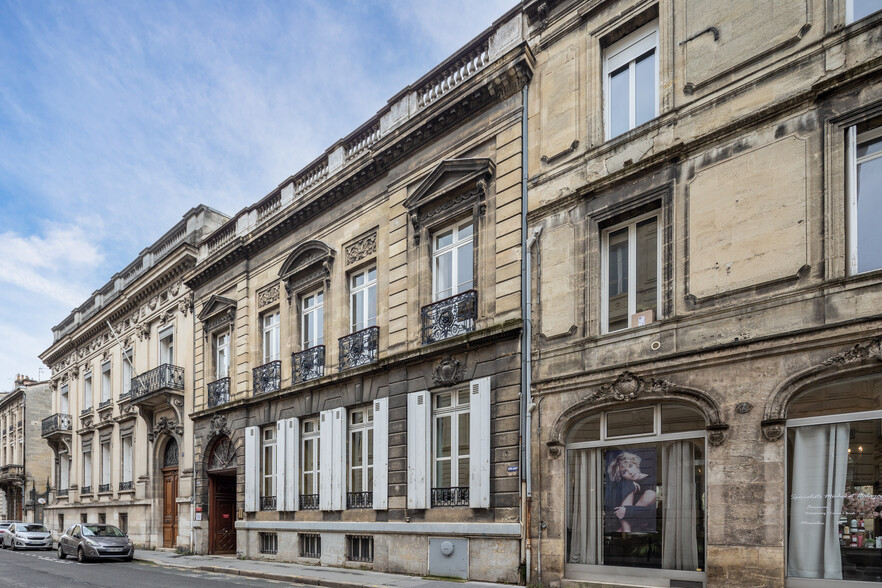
{"points": [[585, 516], [679, 540]]}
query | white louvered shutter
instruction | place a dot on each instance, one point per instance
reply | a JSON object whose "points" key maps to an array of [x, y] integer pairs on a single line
{"points": [[326, 455], [281, 472], [338, 463], [291, 441], [381, 454], [419, 427], [252, 468], [479, 443]]}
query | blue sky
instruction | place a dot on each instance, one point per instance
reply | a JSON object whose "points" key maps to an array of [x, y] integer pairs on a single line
{"points": [[118, 117]]}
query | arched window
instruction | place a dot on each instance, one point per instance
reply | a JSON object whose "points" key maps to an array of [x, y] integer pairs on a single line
{"points": [[834, 460], [223, 455], [170, 458], [636, 491]]}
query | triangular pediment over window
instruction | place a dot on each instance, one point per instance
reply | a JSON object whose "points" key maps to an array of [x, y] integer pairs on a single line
{"points": [[218, 311], [309, 263], [451, 177]]}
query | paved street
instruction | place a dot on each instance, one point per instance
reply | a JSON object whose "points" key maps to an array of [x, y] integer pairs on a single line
{"points": [[43, 569]]}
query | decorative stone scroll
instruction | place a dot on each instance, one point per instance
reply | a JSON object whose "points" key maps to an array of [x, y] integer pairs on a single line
{"points": [[218, 426], [362, 248], [165, 425], [268, 296], [448, 372]]}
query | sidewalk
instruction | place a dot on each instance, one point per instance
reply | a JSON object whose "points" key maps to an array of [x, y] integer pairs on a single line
{"points": [[329, 577]]}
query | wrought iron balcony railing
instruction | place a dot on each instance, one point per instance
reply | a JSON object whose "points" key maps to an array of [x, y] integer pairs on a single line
{"points": [[359, 500], [105, 403], [164, 377], [103, 488], [86, 490], [267, 377], [219, 392], [267, 503], [62, 491], [359, 348], [455, 496], [309, 502], [57, 423], [125, 395], [126, 486], [308, 364], [86, 411], [450, 317]]}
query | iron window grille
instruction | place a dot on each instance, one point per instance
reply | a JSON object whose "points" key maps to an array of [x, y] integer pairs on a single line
{"points": [[309, 502], [103, 488], [360, 548], [269, 543], [308, 364], [219, 392], [359, 500], [104, 403], [267, 377], [86, 490], [267, 503], [450, 317], [62, 492], [126, 486], [310, 545], [359, 348], [160, 378], [456, 496]]}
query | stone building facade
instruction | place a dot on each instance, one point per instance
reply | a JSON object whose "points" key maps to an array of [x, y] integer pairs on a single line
{"points": [[707, 368], [122, 389], [24, 457], [357, 340]]}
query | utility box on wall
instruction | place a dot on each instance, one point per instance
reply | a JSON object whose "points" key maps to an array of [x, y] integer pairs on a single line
{"points": [[449, 557]]}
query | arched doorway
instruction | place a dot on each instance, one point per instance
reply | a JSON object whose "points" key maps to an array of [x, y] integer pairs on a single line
{"points": [[222, 497], [170, 493]]}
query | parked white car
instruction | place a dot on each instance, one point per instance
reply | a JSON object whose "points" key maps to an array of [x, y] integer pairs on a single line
{"points": [[27, 536]]}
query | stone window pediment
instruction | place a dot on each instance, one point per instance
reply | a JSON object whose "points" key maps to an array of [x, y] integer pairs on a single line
{"points": [[217, 312], [309, 264]]}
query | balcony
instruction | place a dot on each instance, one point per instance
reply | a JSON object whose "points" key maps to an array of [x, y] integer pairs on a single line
{"points": [[267, 377], [449, 317], [123, 486], [456, 496], [150, 388], [62, 492], [267, 503], [359, 348], [103, 488], [359, 500], [56, 425], [309, 502], [308, 365], [85, 490], [218, 392], [11, 473]]}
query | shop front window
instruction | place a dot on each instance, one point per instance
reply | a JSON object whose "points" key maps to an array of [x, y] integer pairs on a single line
{"points": [[636, 490]]}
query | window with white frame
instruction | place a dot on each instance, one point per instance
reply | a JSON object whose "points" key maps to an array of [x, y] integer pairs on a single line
{"points": [[64, 472], [312, 320], [857, 9], [127, 451], [105, 381], [222, 355], [865, 199], [64, 399], [127, 370], [630, 273], [453, 260], [105, 464], [450, 451], [87, 471], [363, 299], [630, 82], [167, 345], [268, 469], [271, 336], [309, 464], [361, 457], [87, 391]]}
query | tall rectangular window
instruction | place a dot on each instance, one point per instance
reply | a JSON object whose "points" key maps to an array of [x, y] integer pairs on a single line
{"points": [[361, 453], [167, 345], [268, 469], [450, 451], [309, 464], [64, 400], [363, 299], [126, 459], [453, 260], [222, 355], [64, 472], [87, 471], [631, 81], [87, 390], [865, 199], [105, 381], [312, 315], [271, 336], [105, 465], [127, 370], [630, 267]]}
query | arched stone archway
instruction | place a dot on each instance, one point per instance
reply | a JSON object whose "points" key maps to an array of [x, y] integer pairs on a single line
{"points": [[220, 469]]}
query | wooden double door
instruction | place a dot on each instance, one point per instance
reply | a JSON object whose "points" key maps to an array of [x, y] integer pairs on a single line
{"points": [[222, 513], [169, 506]]}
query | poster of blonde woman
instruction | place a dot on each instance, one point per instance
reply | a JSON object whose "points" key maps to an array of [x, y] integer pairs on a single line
{"points": [[630, 497]]}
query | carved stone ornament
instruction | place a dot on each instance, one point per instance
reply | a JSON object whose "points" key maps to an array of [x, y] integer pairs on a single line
{"points": [[165, 425], [167, 316], [223, 456], [629, 387], [143, 331], [185, 305], [449, 372], [175, 288], [268, 296], [773, 429], [743, 407], [362, 248], [153, 302], [859, 352], [218, 426]]}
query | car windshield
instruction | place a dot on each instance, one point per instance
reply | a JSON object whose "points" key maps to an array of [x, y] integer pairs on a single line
{"points": [[101, 531], [33, 528], [5, 525]]}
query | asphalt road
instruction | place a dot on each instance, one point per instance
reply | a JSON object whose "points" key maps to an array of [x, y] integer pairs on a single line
{"points": [[43, 569]]}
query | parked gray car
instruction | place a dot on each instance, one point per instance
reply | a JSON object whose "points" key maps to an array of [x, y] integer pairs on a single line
{"points": [[87, 541], [26, 536]]}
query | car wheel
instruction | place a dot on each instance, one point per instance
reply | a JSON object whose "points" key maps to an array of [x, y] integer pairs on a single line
{"points": [[81, 555], [128, 558], [61, 553]]}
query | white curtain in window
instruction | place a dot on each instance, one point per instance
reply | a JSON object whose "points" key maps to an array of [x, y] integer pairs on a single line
{"points": [[820, 465], [679, 540], [585, 520]]}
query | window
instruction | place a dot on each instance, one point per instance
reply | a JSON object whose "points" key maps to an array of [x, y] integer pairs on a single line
{"points": [[64, 405], [60, 521], [271, 347], [87, 472], [309, 465], [87, 391], [126, 481], [127, 370], [865, 199], [361, 458], [450, 452], [630, 266], [631, 81], [64, 472], [858, 9], [834, 454], [102, 518], [105, 381], [105, 467], [453, 260], [310, 545], [268, 469], [167, 346], [312, 315], [268, 543], [636, 490], [124, 522], [222, 355], [363, 299], [84, 518], [360, 548]]}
